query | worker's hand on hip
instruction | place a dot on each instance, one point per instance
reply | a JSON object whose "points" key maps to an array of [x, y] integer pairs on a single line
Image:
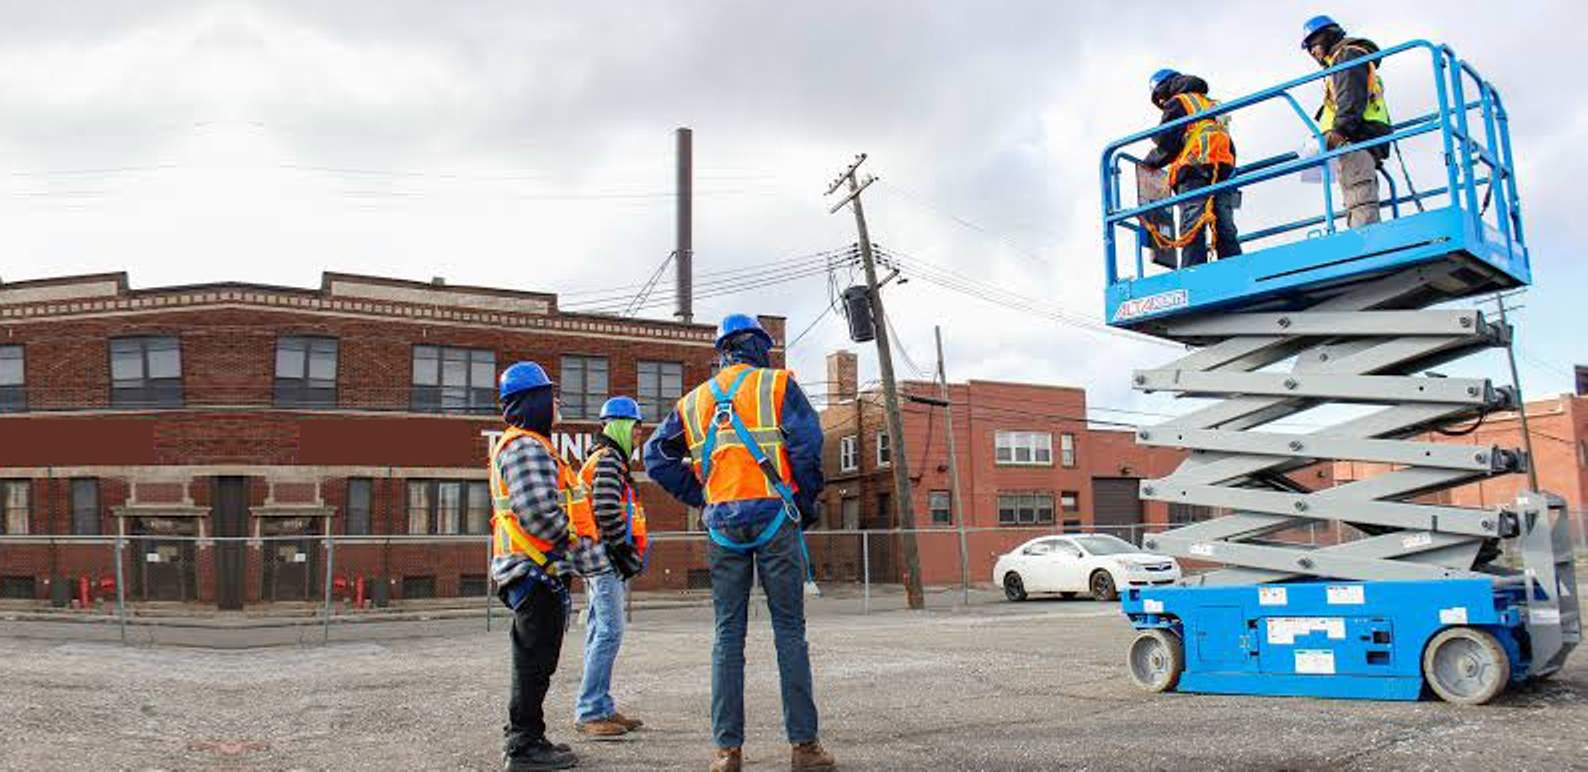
{"points": [[1334, 139]]}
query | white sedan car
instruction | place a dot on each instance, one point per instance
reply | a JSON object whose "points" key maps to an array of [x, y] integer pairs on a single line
{"points": [[1097, 564]]}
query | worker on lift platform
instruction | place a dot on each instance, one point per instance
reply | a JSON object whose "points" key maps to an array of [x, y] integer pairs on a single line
{"points": [[1196, 155], [1353, 110]]}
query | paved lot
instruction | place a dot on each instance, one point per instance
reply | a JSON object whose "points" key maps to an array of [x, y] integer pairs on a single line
{"points": [[996, 687]]}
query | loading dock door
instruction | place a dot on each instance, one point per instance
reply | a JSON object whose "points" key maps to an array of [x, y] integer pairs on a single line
{"points": [[1116, 505], [230, 511]]}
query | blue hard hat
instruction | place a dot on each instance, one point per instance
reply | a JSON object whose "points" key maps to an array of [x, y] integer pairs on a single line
{"points": [[733, 324], [1313, 26], [522, 376], [1159, 77], [620, 407]]}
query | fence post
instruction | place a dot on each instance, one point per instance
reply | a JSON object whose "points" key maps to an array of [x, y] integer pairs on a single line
{"points": [[865, 570], [121, 587], [330, 562]]}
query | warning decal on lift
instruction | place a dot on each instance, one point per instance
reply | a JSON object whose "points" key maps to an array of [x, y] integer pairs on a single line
{"points": [[1345, 595], [1284, 631], [1453, 616], [1271, 596], [1152, 304], [1315, 661], [1152, 606], [1544, 616]]}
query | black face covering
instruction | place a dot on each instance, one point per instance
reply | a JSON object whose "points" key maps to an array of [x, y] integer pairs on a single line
{"points": [[747, 348], [532, 410]]}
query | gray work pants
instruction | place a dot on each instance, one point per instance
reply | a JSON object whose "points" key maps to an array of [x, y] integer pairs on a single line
{"points": [[1359, 188]]}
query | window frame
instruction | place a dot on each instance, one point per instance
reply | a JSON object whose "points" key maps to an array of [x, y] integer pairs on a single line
{"points": [[150, 392], [655, 406], [1067, 450], [1018, 503], [85, 520], [14, 396], [467, 398], [365, 519], [849, 453], [933, 498], [432, 511], [884, 449], [8, 511], [582, 403], [1074, 501], [301, 391], [1008, 444]]}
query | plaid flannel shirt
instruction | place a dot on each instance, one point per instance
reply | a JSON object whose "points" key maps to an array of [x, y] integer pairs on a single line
{"points": [[530, 474]]}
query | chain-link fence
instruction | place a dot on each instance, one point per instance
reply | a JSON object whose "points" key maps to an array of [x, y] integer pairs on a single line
{"points": [[317, 581]]}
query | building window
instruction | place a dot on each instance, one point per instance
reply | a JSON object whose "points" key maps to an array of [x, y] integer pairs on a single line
{"points": [[13, 392], [849, 508], [454, 380], [1025, 508], [661, 384], [14, 507], [584, 387], [1069, 501], [848, 453], [146, 372], [448, 507], [938, 503], [1024, 448], [884, 449], [85, 506], [305, 371], [360, 496], [1067, 449], [1181, 514]]}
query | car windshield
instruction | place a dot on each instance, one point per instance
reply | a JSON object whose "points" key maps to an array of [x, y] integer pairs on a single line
{"points": [[1105, 545]]}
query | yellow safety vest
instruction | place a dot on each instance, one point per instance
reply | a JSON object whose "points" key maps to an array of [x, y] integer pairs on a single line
{"points": [[508, 534], [1377, 109], [1207, 141]]}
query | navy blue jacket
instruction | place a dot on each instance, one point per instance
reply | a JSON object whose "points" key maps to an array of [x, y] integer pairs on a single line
{"points": [[668, 447]]}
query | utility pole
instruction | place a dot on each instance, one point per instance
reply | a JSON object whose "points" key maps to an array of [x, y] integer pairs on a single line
{"points": [[683, 226], [1521, 407], [953, 472], [903, 500]]}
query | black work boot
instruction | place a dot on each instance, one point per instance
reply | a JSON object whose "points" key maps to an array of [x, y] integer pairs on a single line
{"points": [[542, 756]]}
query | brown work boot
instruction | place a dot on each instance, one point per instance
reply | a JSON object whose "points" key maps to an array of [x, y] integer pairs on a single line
{"points": [[630, 724], [727, 760], [601, 729], [811, 755]]}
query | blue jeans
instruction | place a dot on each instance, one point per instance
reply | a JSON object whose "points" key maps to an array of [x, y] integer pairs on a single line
{"points": [[782, 570], [603, 635]]}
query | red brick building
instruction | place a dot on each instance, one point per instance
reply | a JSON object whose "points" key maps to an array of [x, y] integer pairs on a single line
{"points": [[361, 408], [1028, 458], [1559, 430]]}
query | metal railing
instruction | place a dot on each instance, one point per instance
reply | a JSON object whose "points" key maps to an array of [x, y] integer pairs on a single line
{"points": [[323, 581], [1473, 168]]}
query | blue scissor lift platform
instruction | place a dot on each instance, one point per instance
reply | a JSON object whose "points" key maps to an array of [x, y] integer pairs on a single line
{"points": [[1315, 314]]}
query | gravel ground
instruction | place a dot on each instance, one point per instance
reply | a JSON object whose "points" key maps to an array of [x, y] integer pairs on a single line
{"points": [[1038, 685]]}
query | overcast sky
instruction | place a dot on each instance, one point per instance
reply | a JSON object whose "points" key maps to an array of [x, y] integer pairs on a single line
{"points": [[529, 145]]}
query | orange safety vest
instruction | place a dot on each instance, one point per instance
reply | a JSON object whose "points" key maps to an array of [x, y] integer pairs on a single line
{"points": [[508, 534], [1207, 141], [759, 403], [631, 502]]}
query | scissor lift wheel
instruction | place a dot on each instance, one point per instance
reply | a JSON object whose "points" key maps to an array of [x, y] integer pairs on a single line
{"points": [[1466, 666], [1156, 659]]}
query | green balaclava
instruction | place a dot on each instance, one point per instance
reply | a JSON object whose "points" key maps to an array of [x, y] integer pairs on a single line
{"points": [[621, 431]]}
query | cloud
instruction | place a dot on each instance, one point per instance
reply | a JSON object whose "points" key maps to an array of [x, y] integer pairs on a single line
{"points": [[530, 145]]}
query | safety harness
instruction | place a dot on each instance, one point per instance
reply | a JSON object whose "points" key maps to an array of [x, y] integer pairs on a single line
{"points": [[725, 415]]}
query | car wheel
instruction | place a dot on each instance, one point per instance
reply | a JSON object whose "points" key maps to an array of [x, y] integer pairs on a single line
{"points": [[1102, 586], [1014, 588]]}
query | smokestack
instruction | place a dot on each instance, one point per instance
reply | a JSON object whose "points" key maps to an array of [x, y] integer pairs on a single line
{"points": [[684, 251]]}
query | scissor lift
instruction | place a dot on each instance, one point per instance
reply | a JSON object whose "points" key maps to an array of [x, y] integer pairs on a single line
{"points": [[1343, 317]]}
